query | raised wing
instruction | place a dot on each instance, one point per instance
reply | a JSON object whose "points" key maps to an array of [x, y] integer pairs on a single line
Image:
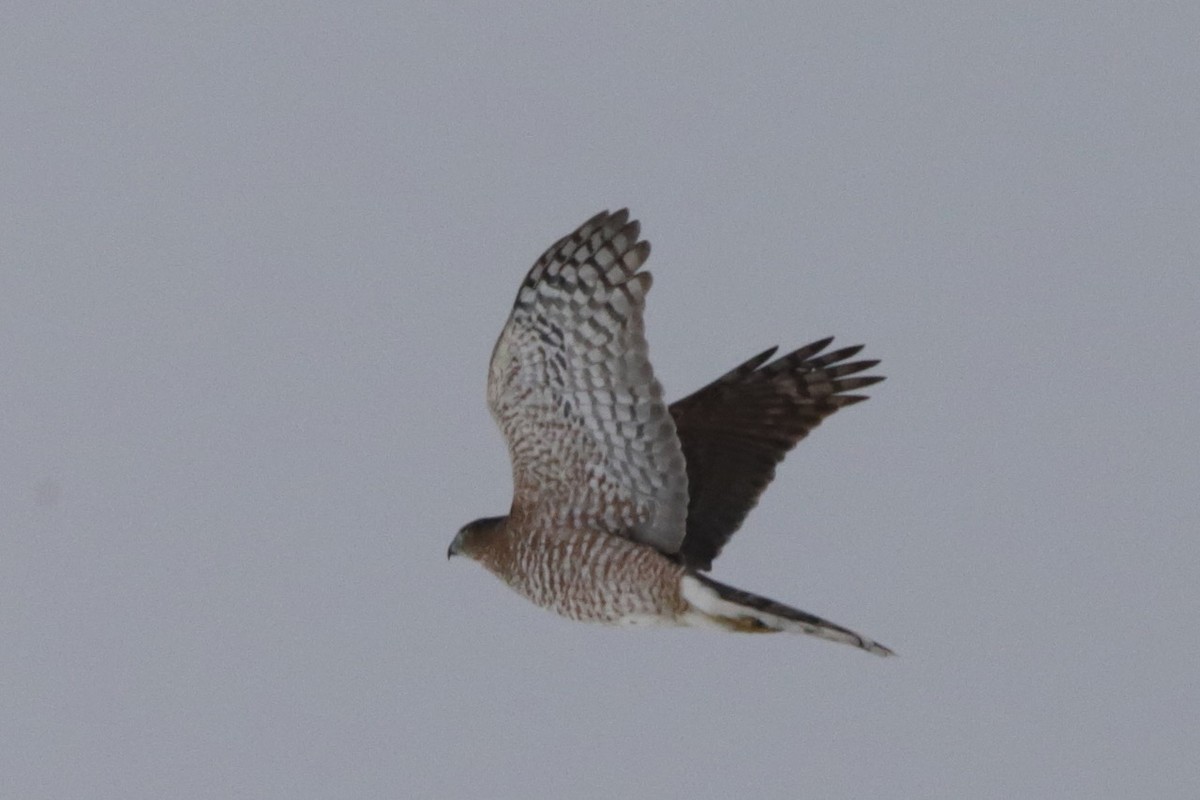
{"points": [[571, 388], [738, 428]]}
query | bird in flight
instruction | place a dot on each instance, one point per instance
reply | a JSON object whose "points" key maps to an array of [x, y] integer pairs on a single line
{"points": [[621, 502]]}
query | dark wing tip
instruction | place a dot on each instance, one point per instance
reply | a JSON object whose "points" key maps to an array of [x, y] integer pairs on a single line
{"points": [[851, 368], [834, 356], [809, 350], [850, 384], [845, 400], [751, 364]]}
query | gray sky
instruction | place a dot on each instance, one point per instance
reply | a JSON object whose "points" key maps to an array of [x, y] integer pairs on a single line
{"points": [[253, 258]]}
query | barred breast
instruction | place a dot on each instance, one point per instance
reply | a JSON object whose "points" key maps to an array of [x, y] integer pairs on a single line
{"points": [[592, 576]]}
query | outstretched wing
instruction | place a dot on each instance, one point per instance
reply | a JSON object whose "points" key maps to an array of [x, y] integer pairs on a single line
{"points": [[570, 386], [738, 428]]}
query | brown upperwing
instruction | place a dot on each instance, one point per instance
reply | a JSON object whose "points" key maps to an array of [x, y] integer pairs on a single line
{"points": [[736, 429]]}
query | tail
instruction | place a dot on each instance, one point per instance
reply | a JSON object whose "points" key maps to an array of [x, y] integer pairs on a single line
{"points": [[742, 611]]}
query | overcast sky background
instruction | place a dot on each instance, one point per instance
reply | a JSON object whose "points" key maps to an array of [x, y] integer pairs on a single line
{"points": [[253, 258]]}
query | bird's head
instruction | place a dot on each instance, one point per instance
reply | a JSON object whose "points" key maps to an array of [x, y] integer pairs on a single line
{"points": [[473, 536]]}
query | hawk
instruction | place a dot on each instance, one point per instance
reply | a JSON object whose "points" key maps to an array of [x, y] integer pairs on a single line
{"points": [[621, 502]]}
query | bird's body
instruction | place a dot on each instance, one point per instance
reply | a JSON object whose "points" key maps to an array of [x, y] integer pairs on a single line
{"points": [[589, 576], [620, 502]]}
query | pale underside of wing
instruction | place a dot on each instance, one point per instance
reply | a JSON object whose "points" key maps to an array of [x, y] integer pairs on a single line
{"points": [[570, 385], [736, 430]]}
